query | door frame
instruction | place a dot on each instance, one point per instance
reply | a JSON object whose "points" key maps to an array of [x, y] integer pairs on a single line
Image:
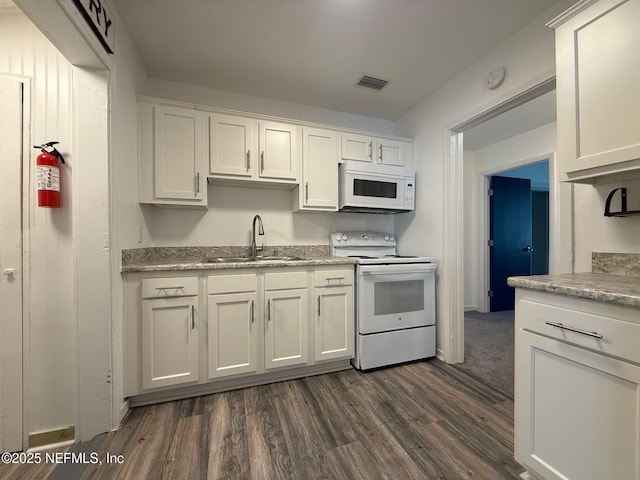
{"points": [[484, 182], [454, 204]]}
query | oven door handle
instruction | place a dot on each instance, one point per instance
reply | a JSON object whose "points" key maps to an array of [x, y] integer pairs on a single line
{"points": [[406, 268]]}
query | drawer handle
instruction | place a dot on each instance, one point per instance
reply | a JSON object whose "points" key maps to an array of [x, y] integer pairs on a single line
{"points": [[268, 311], [193, 317], [177, 287], [339, 279], [575, 330]]}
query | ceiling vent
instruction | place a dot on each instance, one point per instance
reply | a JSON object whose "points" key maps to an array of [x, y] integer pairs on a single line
{"points": [[372, 82]]}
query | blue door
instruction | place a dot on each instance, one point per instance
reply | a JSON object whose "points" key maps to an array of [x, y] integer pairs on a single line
{"points": [[510, 234]]}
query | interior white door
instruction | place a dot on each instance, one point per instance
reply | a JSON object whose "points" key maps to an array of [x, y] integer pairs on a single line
{"points": [[11, 91]]}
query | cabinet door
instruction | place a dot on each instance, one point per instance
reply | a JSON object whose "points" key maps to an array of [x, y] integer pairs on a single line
{"points": [[390, 152], [232, 334], [169, 342], [357, 147], [320, 169], [279, 150], [233, 148], [577, 413], [598, 87], [286, 336], [178, 154], [334, 332]]}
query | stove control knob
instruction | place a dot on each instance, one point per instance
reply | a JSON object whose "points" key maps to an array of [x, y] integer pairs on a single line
{"points": [[365, 237], [338, 237], [391, 239], [344, 238], [386, 238]]}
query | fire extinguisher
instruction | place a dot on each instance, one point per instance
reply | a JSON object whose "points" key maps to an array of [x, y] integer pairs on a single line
{"points": [[48, 175]]}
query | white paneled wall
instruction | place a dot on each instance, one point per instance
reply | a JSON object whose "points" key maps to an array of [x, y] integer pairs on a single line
{"points": [[51, 364]]}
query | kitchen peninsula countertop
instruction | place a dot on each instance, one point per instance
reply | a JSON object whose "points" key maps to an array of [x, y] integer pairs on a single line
{"points": [[615, 278], [160, 259], [603, 287]]}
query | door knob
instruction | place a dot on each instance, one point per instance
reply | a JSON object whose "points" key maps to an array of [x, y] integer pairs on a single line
{"points": [[528, 249], [9, 272]]}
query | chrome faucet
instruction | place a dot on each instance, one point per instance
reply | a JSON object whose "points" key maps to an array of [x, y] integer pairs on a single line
{"points": [[253, 253]]}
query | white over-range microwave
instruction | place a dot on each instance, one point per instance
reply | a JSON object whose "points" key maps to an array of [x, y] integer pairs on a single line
{"points": [[374, 188]]}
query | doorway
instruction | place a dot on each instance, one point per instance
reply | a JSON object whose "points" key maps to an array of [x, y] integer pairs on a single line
{"points": [[518, 234], [12, 119]]}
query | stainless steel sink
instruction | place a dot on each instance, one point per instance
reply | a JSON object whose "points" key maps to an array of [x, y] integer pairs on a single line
{"points": [[228, 259], [251, 259], [281, 259]]}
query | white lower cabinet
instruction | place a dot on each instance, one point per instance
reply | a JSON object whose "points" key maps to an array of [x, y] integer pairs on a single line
{"points": [[286, 319], [333, 319], [232, 329], [577, 396], [257, 325], [169, 332]]}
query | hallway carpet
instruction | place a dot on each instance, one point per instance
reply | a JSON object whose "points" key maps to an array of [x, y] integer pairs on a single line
{"points": [[488, 349]]}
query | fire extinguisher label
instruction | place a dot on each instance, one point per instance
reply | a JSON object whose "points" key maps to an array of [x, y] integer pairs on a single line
{"points": [[47, 178]]}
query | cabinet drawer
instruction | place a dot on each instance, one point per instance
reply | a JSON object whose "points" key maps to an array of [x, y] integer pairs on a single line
{"points": [[169, 287], [232, 283], [619, 337], [285, 280], [333, 278]]}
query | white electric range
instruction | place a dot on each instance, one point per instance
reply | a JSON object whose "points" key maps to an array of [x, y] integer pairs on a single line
{"points": [[395, 300]]}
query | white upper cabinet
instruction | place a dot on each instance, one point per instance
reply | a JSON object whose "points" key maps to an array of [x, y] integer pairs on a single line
{"points": [[319, 187], [598, 89], [376, 150], [243, 148], [233, 145], [357, 147], [171, 159]]}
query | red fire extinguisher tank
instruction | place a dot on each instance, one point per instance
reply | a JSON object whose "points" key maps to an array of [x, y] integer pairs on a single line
{"points": [[48, 175]]}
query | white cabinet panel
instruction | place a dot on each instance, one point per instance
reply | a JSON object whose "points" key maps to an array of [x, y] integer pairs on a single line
{"points": [[244, 148], [598, 89], [357, 147], [319, 188], [390, 152], [233, 148], [279, 150], [169, 342], [232, 334], [577, 388], [286, 340], [171, 156], [334, 328], [582, 411]]}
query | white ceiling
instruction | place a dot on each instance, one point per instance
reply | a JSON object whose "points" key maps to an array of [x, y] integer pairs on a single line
{"points": [[314, 51], [530, 115]]}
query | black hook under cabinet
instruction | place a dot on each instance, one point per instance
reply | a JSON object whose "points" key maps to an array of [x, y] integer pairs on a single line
{"points": [[623, 204]]}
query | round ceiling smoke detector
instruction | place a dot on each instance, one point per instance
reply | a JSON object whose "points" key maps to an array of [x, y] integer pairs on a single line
{"points": [[495, 78]]}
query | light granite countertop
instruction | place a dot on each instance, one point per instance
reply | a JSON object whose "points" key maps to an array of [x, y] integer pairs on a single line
{"points": [[603, 287], [164, 265], [166, 259]]}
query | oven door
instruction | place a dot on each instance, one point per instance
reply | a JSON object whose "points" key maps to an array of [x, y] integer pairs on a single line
{"points": [[394, 297]]}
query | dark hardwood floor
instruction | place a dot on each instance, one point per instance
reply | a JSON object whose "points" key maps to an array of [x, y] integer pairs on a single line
{"points": [[424, 420]]}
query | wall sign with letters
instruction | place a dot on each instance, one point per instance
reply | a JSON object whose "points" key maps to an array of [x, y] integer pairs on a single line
{"points": [[98, 15]]}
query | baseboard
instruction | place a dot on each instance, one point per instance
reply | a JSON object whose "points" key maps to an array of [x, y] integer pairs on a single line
{"points": [[469, 308]]}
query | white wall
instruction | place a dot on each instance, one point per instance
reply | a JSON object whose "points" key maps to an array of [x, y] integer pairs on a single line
{"points": [[50, 321], [596, 233], [532, 146], [529, 58], [73, 372]]}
